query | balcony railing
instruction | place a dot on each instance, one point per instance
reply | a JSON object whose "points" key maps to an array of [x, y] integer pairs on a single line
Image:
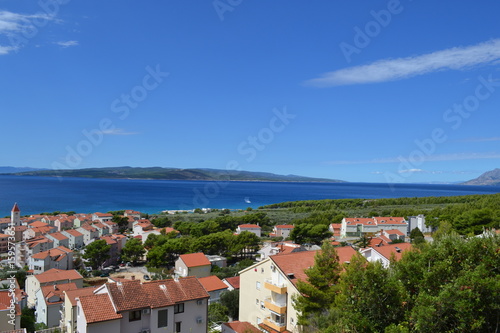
{"points": [[274, 325], [277, 307], [279, 288]]}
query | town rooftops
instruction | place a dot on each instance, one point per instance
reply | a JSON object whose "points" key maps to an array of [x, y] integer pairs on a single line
{"points": [[98, 308], [294, 264], [212, 283], [5, 300], [134, 295], [356, 221], [194, 259], [58, 236], [55, 254], [285, 226], [38, 224], [390, 220], [54, 274], [74, 232], [103, 214], [394, 232]]}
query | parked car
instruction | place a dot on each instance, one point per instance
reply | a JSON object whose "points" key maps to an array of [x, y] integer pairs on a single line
{"points": [[104, 274], [146, 277]]}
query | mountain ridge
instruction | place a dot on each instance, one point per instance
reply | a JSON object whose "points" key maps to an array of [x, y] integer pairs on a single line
{"points": [[161, 173], [491, 178]]}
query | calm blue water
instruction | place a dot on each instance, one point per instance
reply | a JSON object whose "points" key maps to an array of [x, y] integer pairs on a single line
{"points": [[46, 194]]}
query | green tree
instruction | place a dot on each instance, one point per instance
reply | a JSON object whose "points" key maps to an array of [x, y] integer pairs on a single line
{"points": [[231, 300], [133, 251], [28, 319], [310, 233], [416, 236], [97, 253], [217, 313], [122, 221], [318, 292]]}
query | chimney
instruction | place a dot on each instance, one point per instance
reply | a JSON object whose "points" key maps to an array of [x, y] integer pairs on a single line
{"points": [[133, 277]]}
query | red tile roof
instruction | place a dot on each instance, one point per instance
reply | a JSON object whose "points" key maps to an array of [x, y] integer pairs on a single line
{"points": [[134, 295], [98, 308], [396, 249], [294, 264], [234, 281], [55, 254], [194, 259], [38, 224], [54, 274], [285, 226], [390, 220], [57, 290], [72, 295], [242, 327], [394, 232], [5, 302], [74, 232], [212, 283], [356, 221], [250, 226], [16, 208], [58, 236]]}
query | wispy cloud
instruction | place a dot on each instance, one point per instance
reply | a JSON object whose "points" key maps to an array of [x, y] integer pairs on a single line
{"points": [[12, 24], [430, 158], [68, 43], [118, 131], [384, 70]]}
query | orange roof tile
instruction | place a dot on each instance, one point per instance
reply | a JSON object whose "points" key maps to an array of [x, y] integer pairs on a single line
{"points": [[234, 281], [57, 290], [394, 232], [250, 226], [54, 274], [212, 283], [194, 259], [73, 294], [5, 302], [356, 221], [16, 208], [242, 327], [285, 226], [390, 220], [98, 308], [74, 232], [58, 236], [396, 249], [294, 264]]}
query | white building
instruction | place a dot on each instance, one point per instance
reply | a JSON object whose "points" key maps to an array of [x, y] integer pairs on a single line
{"points": [[385, 253], [156, 306], [418, 222], [253, 228], [60, 258], [355, 227]]}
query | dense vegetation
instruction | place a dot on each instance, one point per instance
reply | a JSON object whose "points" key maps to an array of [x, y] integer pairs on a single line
{"points": [[450, 285]]}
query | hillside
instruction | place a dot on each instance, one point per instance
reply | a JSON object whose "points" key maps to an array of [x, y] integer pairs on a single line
{"points": [[173, 174], [488, 178]]}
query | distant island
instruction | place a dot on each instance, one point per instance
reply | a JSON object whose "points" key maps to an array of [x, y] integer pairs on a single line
{"points": [[488, 178], [172, 174]]}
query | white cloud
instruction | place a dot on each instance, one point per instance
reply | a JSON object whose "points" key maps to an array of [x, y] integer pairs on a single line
{"points": [[481, 139], [384, 70], [430, 158], [118, 131], [412, 171], [14, 24], [67, 43]]}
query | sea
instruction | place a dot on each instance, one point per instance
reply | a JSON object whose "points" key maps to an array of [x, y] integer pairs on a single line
{"points": [[35, 195]]}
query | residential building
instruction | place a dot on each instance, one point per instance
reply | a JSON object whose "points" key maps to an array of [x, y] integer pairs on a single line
{"points": [[64, 222], [69, 315], [274, 248], [217, 260], [385, 253], [253, 228], [176, 305], [50, 277], [102, 217], [267, 289], [89, 233], [418, 222], [356, 227], [132, 213], [102, 229], [26, 249], [59, 239], [4, 243], [75, 238], [335, 229], [393, 235], [4, 223], [282, 230], [49, 301], [214, 287], [7, 322], [60, 258], [193, 264]]}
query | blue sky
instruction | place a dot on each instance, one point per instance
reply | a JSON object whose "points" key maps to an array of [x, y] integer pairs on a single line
{"points": [[370, 91]]}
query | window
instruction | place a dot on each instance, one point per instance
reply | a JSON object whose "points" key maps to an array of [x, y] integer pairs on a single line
{"points": [[179, 308], [257, 301], [259, 320], [257, 285], [178, 327], [134, 315], [262, 305], [162, 318]]}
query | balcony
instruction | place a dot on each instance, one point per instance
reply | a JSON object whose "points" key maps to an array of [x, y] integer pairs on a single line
{"points": [[274, 325], [275, 306], [275, 287]]}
